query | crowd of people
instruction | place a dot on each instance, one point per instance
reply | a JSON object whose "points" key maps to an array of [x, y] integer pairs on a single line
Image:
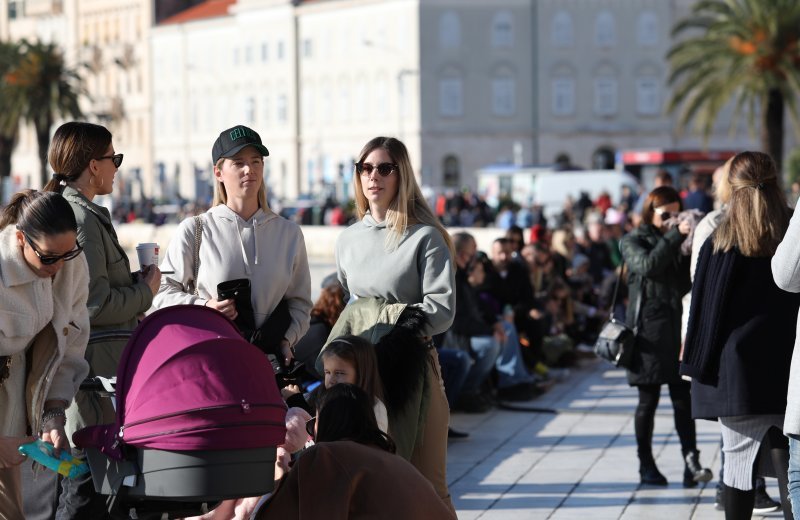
{"points": [[415, 322]]}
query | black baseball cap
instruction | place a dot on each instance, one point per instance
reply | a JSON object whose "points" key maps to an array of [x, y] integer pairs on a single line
{"points": [[232, 140]]}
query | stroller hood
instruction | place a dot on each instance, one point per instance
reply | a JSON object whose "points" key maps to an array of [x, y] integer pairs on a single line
{"points": [[188, 381]]}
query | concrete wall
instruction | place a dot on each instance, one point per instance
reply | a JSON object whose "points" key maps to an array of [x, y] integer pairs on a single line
{"points": [[320, 240]]}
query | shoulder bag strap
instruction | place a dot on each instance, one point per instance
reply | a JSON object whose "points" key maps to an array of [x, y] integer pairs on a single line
{"points": [[616, 289], [198, 238]]}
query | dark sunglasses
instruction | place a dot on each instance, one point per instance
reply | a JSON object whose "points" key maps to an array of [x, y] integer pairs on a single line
{"points": [[310, 426], [665, 215], [384, 169], [51, 259], [116, 158]]}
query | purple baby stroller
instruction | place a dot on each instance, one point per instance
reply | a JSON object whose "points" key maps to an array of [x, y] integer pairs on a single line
{"points": [[199, 416]]}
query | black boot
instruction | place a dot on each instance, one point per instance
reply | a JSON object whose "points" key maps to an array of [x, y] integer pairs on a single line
{"points": [[649, 474], [738, 503], [693, 471]]}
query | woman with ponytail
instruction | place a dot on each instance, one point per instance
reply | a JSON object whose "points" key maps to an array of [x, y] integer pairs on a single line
{"points": [[44, 327], [85, 163], [741, 333]]}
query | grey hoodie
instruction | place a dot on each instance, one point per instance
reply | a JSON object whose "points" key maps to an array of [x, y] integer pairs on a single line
{"points": [[268, 250], [418, 272]]}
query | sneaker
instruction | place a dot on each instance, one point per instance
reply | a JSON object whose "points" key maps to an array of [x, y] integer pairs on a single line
{"points": [[719, 500], [763, 503]]}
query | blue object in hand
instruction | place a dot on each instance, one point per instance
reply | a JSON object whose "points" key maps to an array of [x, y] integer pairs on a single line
{"points": [[65, 464]]}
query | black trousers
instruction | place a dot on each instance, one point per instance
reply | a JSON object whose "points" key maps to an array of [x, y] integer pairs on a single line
{"points": [[644, 420]]}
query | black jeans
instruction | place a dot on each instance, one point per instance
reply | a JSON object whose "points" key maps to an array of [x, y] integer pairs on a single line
{"points": [[645, 418]]}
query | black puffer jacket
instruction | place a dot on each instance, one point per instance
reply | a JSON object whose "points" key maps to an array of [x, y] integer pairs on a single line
{"points": [[658, 274]]}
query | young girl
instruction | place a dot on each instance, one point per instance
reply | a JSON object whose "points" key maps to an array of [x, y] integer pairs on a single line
{"points": [[351, 359]]}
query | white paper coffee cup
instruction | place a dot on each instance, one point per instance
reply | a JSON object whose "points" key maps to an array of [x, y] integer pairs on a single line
{"points": [[147, 253]]}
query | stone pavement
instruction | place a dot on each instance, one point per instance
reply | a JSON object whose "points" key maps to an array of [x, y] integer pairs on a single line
{"points": [[577, 460]]}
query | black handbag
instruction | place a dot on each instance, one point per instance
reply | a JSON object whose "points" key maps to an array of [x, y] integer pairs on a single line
{"points": [[616, 340]]}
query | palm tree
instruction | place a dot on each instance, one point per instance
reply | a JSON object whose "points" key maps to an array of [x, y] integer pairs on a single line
{"points": [[46, 90], [9, 114], [745, 51]]}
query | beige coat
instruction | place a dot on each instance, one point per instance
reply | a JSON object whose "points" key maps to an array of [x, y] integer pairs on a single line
{"points": [[50, 316]]}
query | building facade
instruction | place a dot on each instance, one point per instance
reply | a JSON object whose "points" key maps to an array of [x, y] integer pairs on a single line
{"points": [[464, 83]]}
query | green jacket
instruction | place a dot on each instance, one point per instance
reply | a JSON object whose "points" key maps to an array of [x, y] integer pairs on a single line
{"points": [[372, 319], [115, 301]]}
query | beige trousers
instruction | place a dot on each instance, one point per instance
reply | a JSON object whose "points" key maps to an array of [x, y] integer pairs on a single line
{"points": [[11, 493], [430, 455]]}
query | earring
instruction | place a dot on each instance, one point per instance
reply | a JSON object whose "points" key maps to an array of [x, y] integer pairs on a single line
{"points": [[91, 182]]}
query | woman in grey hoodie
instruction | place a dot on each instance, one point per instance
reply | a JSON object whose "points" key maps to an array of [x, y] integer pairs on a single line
{"points": [[400, 253]]}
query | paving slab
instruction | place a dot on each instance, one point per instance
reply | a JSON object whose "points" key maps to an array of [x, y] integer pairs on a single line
{"points": [[571, 454]]}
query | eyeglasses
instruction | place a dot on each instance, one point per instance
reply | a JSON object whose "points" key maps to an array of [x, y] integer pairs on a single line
{"points": [[116, 158], [51, 259], [310, 426], [384, 169], [664, 214]]}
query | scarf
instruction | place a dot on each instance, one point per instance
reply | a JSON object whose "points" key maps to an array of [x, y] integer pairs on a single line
{"points": [[703, 345]]}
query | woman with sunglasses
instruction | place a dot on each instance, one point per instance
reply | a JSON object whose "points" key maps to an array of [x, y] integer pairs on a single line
{"points": [[398, 252], [85, 163], [44, 327], [658, 277], [374, 482]]}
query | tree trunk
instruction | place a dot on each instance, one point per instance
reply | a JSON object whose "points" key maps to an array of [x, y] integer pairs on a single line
{"points": [[43, 143], [772, 129], [6, 147]]}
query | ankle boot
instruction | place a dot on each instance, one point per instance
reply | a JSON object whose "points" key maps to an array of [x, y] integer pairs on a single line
{"points": [[649, 474], [693, 472]]}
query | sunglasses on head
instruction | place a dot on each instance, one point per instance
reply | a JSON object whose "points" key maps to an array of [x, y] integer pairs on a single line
{"points": [[116, 159], [310, 426], [384, 169], [51, 259]]}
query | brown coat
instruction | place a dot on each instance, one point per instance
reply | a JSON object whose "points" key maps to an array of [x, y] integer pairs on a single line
{"points": [[346, 480]]}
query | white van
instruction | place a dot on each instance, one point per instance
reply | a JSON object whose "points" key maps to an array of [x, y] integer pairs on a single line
{"points": [[552, 189]]}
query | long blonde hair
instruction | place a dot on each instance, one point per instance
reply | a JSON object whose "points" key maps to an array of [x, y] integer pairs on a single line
{"points": [[757, 215], [221, 196], [409, 206]]}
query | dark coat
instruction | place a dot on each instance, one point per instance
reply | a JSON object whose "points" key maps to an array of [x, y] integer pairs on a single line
{"points": [[757, 332], [659, 275], [468, 321]]}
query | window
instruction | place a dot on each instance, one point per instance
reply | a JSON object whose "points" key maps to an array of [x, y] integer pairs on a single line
{"points": [[502, 30], [280, 50], [563, 97], [451, 103], [562, 32], [283, 114], [381, 104], [605, 96], [648, 97], [344, 101], [452, 171], [236, 56], [264, 51], [250, 110], [265, 109], [604, 30], [248, 54], [16, 9], [504, 97], [449, 30], [647, 29], [307, 48]]}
